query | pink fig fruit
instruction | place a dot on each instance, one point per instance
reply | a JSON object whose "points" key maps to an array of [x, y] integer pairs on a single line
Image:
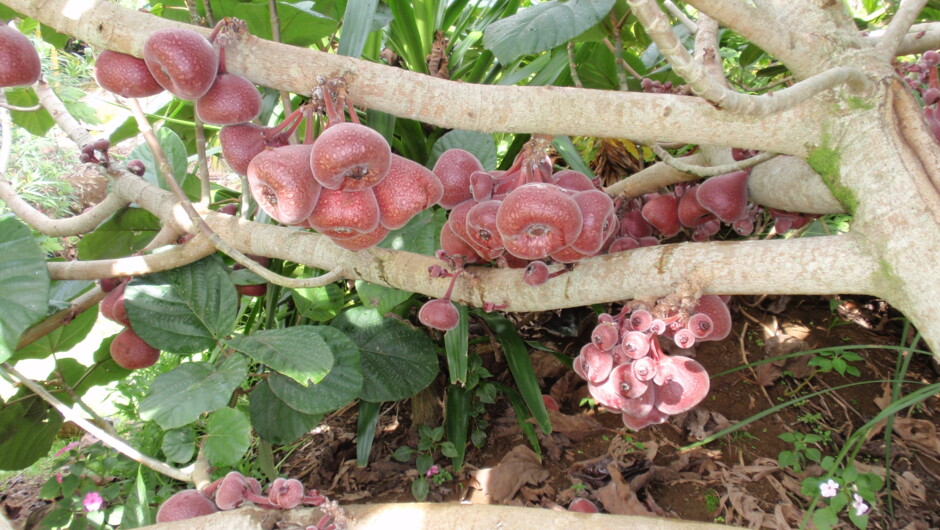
{"points": [[231, 99], [19, 62], [538, 219], [182, 61], [281, 181], [662, 213], [454, 168], [350, 156], [406, 190], [125, 75], [685, 384], [344, 214], [482, 231], [725, 195]]}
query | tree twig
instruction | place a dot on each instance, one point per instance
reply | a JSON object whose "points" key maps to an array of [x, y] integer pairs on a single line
{"points": [[898, 28], [111, 441], [710, 171], [681, 16], [657, 27], [15, 108], [618, 51], [920, 38], [101, 422], [178, 256], [62, 317], [572, 66]]}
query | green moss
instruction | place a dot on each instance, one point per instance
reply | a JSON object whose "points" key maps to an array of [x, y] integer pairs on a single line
{"points": [[827, 161]]}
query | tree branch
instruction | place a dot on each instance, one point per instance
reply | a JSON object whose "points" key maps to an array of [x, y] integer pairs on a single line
{"points": [[549, 110], [681, 16], [193, 250], [111, 441], [920, 38], [658, 28], [62, 317], [898, 28], [706, 48], [654, 177], [752, 23], [60, 114], [710, 171]]}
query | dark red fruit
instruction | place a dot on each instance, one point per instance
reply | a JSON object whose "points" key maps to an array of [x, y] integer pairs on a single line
{"points": [[439, 314], [130, 351], [362, 241], [344, 214], [406, 190], [110, 284], [349, 156], [536, 273], [725, 195], [551, 403], [454, 168], [19, 62], [182, 61], [254, 290], [136, 167], [231, 99], [185, 505], [125, 75], [455, 247], [281, 181], [536, 220], [661, 212], [242, 142], [482, 231], [599, 220], [112, 306]]}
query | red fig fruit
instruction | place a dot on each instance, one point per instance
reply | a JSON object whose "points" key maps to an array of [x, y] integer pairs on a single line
{"points": [[131, 352], [406, 190], [482, 231], [725, 195], [719, 314], [182, 61], [573, 181], [599, 220], [661, 212], [439, 314], [344, 214], [454, 168], [538, 219], [455, 247], [691, 212], [350, 156], [19, 62], [125, 75], [242, 142], [685, 384], [281, 181], [231, 99], [583, 505], [185, 505]]}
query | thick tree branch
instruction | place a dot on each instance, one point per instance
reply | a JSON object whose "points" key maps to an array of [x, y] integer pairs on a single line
{"points": [[698, 78], [549, 110], [706, 48], [111, 441], [920, 38], [62, 317], [752, 23], [193, 250], [898, 28]]}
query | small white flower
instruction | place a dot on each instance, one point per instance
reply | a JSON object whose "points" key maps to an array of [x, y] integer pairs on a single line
{"points": [[859, 504], [829, 488]]}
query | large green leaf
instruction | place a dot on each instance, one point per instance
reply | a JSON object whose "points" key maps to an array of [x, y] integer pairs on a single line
{"points": [[183, 310], [27, 429], [276, 422], [339, 387], [24, 283], [60, 339], [228, 435], [481, 145], [179, 445], [181, 395], [321, 304], [397, 360], [382, 299], [542, 26], [173, 149], [299, 352], [37, 122], [125, 233], [300, 24]]}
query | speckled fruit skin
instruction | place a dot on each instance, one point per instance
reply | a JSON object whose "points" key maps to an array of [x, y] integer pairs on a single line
{"points": [[454, 168], [599, 220], [243, 141], [406, 190], [130, 351], [345, 214], [349, 156], [231, 99], [112, 306], [125, 75], [481, 228], [182, 61], [19, 62], [439, 314], [536, 220], [362, 241], [281, 182]]}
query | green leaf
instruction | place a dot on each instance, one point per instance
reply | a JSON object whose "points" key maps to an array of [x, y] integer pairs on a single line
{"points": [[62, 338], [24, 283], [299, 352], [183, 310], [300, 24], [479, 144], [37, 122], [571, 155], [137, 507], [455, 347], [125, 233], [342, 385], [517, 356], [397, 360], [423, 463], [382, 299], [368, 418], [357, 23], [182, 395], [321, 304], [749, 55], [179, 445], [420, 488], [542, 27], [173, 149], [274, 420], [825, 518], [421, 235], [456, 421], [27, 430], [403, 453], [228, 435]]}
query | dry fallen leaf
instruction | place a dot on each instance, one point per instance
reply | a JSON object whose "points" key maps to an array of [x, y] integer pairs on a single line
{"points": [[617, 496], [520, 466]]}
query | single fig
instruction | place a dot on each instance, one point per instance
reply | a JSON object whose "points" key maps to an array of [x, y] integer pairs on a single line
{"points": [[406, 190], [362, 241], [482, 231], [599, 220], [125, 75], [344, 214], [19, 62], [130, 351], [281, 181], [185, 504], [661, 212], [538, 219], [231, 99], [350, 156], [454, 168], [182, 61], [242, 142], [439, 314], [725, 195], [685, 384]]}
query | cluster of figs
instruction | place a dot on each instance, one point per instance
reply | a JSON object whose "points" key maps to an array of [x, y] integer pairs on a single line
{"points": [[128, 350], [628, 371], [235, 489], [922, 77]]}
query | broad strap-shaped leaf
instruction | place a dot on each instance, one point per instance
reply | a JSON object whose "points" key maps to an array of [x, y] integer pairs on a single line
{"points": [[228, 434], [357, 24], [480, 145], [182, 395], [299, 352], [24, 283], [542, 26], [339, 387], [274, 421], [184, 310], [125, 233], [456, 343], [397, 360]]}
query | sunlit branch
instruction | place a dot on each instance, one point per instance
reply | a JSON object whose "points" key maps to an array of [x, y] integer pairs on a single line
{"points": [[654, 177], [658, 28], [710, 171], [62, 317], [111, 441], [752, 23], [681, 16], [178, 256], [898, 28], [920, 38]]}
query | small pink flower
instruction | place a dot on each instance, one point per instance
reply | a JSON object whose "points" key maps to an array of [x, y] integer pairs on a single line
{"points": [[92, 501], [829, 488], [58, 478], [859, 504], [433, 471]]}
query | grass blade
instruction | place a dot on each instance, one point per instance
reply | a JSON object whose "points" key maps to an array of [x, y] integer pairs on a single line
{"points": [[455, 347], [365, 430], [457, 420], [517, 356], [357, 23]]}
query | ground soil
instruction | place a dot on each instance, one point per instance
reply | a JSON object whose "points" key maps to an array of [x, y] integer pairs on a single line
{"points": [[735, 479]]}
